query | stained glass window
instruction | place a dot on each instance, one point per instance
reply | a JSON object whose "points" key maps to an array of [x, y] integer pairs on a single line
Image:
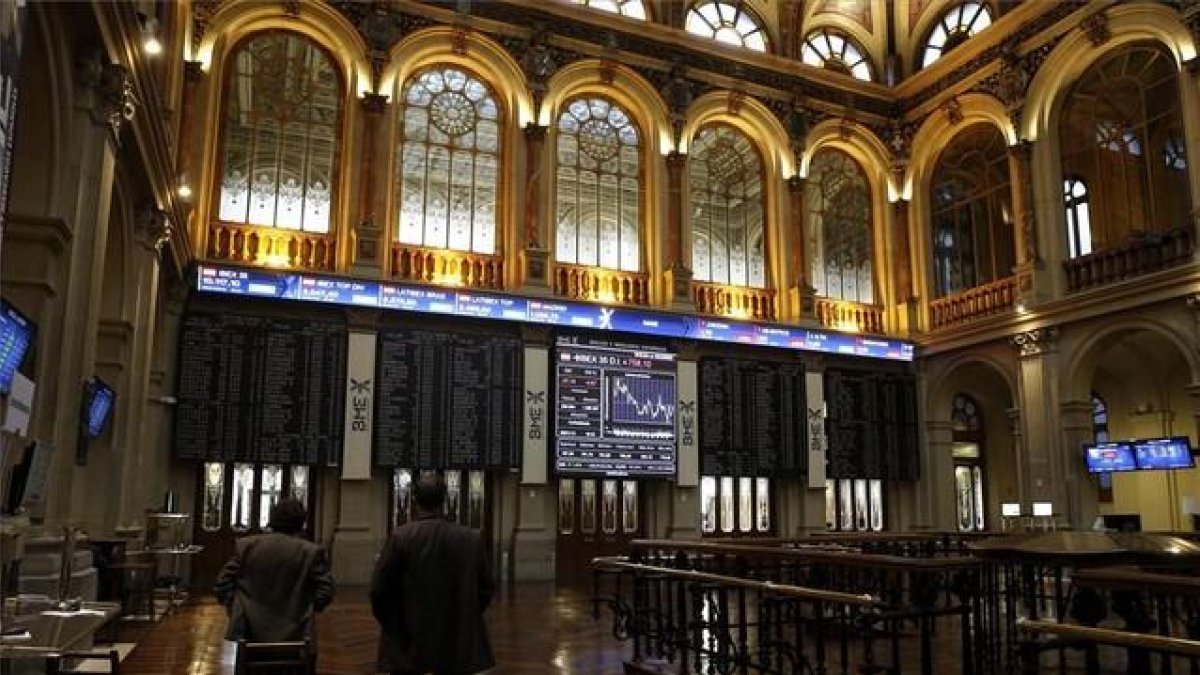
{"points": [[727, 208], [242, 505], [966, 421], [449, 160], [598, 196], [1121, 133], [634, 9], [269, 492], [299, 483], [953, 29], [728, 22], [972, 219], [1079, 223], [214, 496], [280, 138], [826, 49], [838, 222]]}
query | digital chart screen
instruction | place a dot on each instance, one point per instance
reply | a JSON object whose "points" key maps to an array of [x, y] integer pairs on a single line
{"points": [[99, 407], [1163, 453], [15, 335], [1106, 457], [614, 409]]}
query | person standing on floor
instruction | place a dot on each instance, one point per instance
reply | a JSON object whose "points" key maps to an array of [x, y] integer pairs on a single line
{"points": [[431, 586], [276, 582]]}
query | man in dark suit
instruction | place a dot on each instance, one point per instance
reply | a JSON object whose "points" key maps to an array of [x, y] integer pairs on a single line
{"points": [[431, 585], [276, 581]]}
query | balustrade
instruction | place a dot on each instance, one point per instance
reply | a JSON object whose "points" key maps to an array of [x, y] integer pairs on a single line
{"points": [[852, 316], [976, 303], [1142, 255], [272, 247], [601, 285], [734, 301], [449, 268]]}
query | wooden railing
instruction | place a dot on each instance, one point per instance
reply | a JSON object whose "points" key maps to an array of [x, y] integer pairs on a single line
{"points": [[1145, 254], [601, 285], [452, 268], [976, 303], [734, 301], [845, 315], [270, 246]]}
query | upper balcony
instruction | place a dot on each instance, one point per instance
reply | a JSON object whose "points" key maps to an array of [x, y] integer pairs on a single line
{"points": [[976, 303], [1143, 254], [741, 302], [251, 245], [446, 267], [595, 284]]}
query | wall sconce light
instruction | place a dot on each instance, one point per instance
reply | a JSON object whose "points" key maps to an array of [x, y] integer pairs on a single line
{"points": [[150, 42], [184, 191]]}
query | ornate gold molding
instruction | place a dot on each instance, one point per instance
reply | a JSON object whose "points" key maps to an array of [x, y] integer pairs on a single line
{"points": [[1036, 342]]}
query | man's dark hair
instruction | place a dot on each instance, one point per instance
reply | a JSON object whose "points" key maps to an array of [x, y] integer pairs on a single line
{"points": [[430, 493], [288, 516]]}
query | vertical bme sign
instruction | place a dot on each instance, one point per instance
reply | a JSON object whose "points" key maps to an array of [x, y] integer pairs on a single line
{"points": [[360, 389], [537, 380]]}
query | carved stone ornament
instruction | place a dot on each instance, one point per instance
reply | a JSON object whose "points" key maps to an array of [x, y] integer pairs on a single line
{"points": [[374, 104], [953, 110], [152, 228], [115, 102], [734, 103], [460, 38], [1013, 80], [797, 126], [1036, 341], [900, 138], [1096, 28]]}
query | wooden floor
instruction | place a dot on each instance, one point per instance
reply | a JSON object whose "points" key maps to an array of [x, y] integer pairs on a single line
{"points": [[534, 628]]}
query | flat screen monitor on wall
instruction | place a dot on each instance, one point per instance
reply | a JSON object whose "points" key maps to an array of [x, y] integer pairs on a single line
{"points": [[16, 334], [614, 409], [1164, 453], [97, 407], [1108, 457]]}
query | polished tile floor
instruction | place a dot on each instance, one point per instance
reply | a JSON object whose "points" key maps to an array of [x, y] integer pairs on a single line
{"points": [[535, 628]]}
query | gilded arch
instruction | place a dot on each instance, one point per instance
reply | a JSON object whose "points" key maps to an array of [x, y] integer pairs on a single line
{"points": [[1082, 364]]}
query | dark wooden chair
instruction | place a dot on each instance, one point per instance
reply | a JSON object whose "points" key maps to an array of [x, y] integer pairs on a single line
{"points": [[66, 662], [275, 658]]}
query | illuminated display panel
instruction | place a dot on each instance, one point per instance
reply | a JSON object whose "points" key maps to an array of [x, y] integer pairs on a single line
{"points": [[614, 409], [1164, 453], [16, 332], [1105, 457], [564, 313]]}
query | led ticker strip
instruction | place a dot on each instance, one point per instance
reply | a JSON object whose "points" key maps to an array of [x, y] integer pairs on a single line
{"points": [[467, 303]]}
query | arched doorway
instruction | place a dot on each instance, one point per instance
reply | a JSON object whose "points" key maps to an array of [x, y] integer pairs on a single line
{"points": [[968, 452]]}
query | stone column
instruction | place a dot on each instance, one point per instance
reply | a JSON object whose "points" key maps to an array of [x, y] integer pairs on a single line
{"points": [[534, 532], [1193, 392], [802, 290], [1020, 462], [903, 260], [1189, 109], [142, 488], [536, 254], [678, 270], [1081, 488], [193, 74], [1024, 222], [1037, 381], [104, 103], [937, 472], [365, 259]]}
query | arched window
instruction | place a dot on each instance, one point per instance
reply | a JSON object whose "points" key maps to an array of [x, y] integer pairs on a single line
{"points": [[1121, 134], [635, 9], [966, 421], [972, 225], [726, 175], [837, 199], [598, 195], [283, 102], [1100, 431], [825, 49], [1079, 223], [728, 22], [953, 29], [448, 162]]}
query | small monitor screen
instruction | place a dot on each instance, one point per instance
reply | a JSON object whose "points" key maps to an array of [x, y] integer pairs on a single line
{"points": [[614, 409], [98, 405], [1105, 457], [1043, 509], [1164, 453], [1010, 510], [16, 333]]}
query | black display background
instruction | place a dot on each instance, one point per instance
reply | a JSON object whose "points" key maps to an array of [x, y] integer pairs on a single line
{"points": [[260, 389], [871, 425], [752, 417], [448, 400]]}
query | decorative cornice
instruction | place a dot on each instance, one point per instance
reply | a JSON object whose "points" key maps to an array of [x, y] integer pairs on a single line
{"points": [[193, 71], [151, 228], [535, 132], [1036, 342], [374, 104]]}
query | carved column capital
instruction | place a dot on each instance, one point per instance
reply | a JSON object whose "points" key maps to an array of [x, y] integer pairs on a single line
{"points": [[152, 228], [113, 101], [796, 184], [676, 160], [193, 71], [535, 132], [1036, 342], [373, 104]]}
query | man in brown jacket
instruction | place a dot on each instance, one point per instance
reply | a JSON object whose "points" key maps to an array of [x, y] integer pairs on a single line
{"points": [[276, 581], [431, 585]]}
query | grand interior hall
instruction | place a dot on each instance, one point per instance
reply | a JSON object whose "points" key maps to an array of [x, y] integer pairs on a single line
{"points": [[747, 336]]}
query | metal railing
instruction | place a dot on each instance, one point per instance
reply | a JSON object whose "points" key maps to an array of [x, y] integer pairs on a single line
{"points": [[1142, 654]]}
